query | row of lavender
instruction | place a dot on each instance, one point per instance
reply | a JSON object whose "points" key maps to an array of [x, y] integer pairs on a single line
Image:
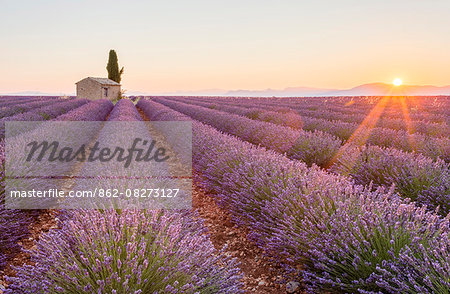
{"points": [[429, 109], [344, 119], [345, 237], [128, 251], [11, 100], [14, 223], [350, 104], [416, 177], [400, 121], [43, 113], [4, 102], [26, 105], [393, 107], [358, 134], [364, 104]]}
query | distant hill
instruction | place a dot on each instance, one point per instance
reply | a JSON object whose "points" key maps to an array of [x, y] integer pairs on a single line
{"points": [[291, 91], [380, 89], [372, 89]]}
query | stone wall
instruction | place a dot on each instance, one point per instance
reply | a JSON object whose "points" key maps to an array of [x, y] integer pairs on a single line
{"points": [[92, 90], [113, 92]]}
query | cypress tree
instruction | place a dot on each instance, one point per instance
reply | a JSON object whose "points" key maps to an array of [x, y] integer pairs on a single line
{"points": [[113, 67]]}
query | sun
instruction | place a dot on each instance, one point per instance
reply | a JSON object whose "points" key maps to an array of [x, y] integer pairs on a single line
{"points": [[397, 82]]}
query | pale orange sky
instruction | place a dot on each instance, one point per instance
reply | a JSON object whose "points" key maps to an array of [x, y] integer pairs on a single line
{"points": [[167, 46]]}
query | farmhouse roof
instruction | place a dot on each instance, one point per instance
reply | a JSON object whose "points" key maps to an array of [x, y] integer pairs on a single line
{"points": [[102, 81]]}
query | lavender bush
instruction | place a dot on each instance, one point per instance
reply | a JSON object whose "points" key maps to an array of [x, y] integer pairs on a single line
{"points": [[354, 242], [5, 102], [26, 106], [420, 269], [156, 111], [48, 112], [287, 118], [124, 110], [174, 133], [414, 175], [43, 113], [312, 148], [96, 110], [132, 251]]}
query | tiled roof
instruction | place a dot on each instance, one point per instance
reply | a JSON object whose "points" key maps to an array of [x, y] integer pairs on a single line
{"points": [[103, 81]]}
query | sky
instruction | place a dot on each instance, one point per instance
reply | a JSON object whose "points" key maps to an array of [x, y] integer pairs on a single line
{"points": [[168, 46]]}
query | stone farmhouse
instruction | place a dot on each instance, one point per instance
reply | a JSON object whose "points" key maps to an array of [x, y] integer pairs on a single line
{"points": [[98, 88]]}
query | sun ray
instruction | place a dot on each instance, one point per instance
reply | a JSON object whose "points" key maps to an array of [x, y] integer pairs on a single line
{"points": [[362, 133], [408, 122]]}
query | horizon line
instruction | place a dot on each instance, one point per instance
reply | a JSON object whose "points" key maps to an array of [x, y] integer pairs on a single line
{"points": [[226, 91]]}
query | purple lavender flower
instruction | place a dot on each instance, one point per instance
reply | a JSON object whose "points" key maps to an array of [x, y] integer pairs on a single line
{"points": [[26, 106], [181, 255], [124, 110], [96, 110]]}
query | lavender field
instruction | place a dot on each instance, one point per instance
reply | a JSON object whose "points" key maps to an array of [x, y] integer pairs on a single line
{"points": [[334, 194]]}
